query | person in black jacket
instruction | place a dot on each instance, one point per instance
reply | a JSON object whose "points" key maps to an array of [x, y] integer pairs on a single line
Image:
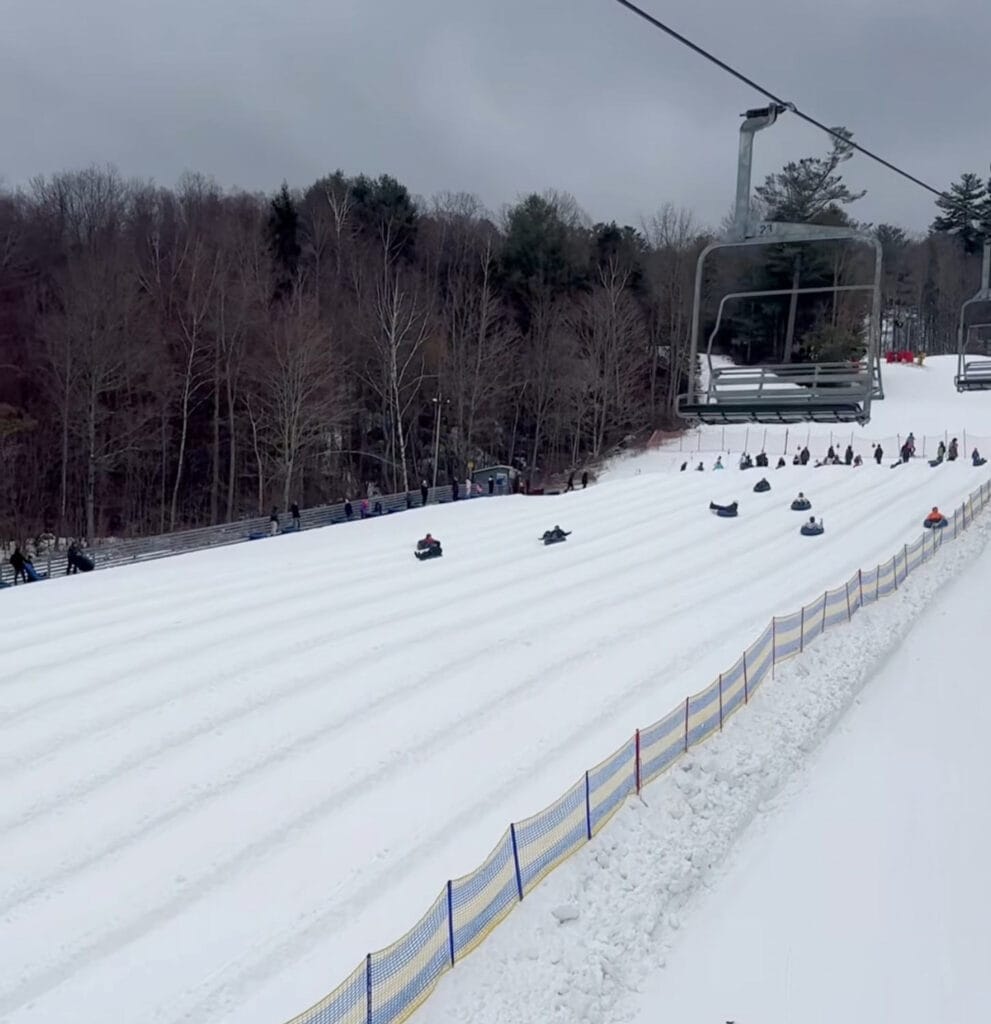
{"points": [[294, 512], [18, 561]]}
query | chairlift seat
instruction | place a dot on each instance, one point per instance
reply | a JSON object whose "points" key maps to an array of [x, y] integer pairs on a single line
{"points": [[785, 393], [975, 376]]}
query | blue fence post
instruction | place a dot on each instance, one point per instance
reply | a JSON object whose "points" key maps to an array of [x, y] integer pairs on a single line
{"points": [[450, 921], [516, 862], [368, 989], [588, 811]]}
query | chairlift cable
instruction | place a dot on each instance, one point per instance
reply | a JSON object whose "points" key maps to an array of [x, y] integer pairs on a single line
{"points": [[657, 23]]}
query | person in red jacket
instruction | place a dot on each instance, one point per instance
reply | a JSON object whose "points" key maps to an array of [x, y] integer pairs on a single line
{"points": [[935, 516]]}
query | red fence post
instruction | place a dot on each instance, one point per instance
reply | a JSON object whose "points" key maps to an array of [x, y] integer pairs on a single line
{"points": [[720, 702], [686, 724], [774, 645], [638, 761], [588, 814], [746, 683]]}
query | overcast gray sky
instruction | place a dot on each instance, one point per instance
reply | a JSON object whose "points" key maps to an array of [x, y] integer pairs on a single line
{"points": [[495, 98]]}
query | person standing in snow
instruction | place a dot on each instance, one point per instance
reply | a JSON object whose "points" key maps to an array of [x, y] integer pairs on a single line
{"points": [[454, 489], [878, 454], [804, 456], [273, 522], [294, 512], [584, 479], [491, 486], [18, 563], [953, 452], [424, 492], [848, 455]]}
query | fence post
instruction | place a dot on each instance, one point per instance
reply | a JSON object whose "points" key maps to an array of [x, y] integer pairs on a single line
{"points": [[905, 556], [516, 858], [877, 583], [686, 725], [450, 922], [894, 569], [638, 760], [801, 633], [368, 989], [746, 440], [860, 580], [825, 601], [588, 811], [787, 429], [849, 614], [720, 702], [746, 682]]}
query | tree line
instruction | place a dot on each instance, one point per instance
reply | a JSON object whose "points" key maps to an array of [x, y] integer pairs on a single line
{"points": [[174, 357]]}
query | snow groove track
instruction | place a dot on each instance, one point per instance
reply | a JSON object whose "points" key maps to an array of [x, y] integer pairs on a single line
{"points": [[237, 771]]}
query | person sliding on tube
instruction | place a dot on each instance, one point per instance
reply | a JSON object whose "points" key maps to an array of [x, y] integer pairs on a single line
{"points": [[935, 516]]}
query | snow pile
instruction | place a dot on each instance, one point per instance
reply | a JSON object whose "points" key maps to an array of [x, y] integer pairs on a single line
{"points": [[634, 884]]}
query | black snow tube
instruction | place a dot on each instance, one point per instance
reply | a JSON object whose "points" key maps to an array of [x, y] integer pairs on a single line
{"points": [[761, 486], [810, 530], [801, 505], [938, 524], [980, 462], [426, 553], [554, 538]]}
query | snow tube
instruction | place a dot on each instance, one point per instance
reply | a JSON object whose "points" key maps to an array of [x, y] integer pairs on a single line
{"points": [[258, 535], [426, 553], [812, 530], [32, 572], [980, 462], [761, 486], [554, 540], [935, 462], [938, 524], [726, 513], [801, 505], [84, 563]]}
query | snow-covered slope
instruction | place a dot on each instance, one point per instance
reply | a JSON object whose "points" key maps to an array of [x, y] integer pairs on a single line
{"points": [[918, 399], [229, 775]]}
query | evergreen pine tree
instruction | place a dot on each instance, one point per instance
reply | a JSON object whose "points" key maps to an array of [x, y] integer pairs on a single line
{"points": [[283, 238], [965, 211]]}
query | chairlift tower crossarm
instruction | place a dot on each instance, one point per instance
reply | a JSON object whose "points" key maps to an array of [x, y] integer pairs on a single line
{"points": [[762, 394]]}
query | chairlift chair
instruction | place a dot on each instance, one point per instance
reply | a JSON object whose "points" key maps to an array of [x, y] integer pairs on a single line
{"points": [[975, 316], [826, 392]]}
